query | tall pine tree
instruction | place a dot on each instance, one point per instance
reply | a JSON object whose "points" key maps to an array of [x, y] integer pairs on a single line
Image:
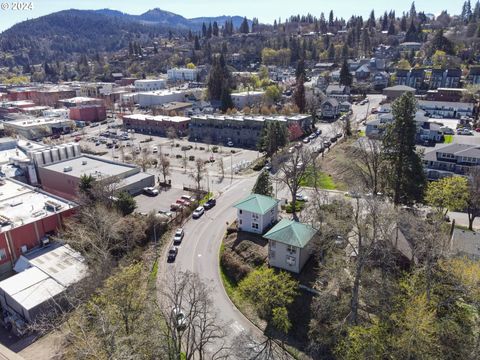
{"points": [[405, 177]]}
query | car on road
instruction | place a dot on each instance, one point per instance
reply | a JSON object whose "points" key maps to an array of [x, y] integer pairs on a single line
{"points": [[210, 204], [178, 237], [150, 191], [172, 254], [198, 212], [230, 144], [301, 197]]}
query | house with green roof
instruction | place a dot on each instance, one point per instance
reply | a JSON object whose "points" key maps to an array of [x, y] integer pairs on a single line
{"points": [[256, 213], [290, 245]]}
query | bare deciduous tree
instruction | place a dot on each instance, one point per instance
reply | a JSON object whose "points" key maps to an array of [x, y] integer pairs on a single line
{"points": [[164, 166], [191, 325], [221, 167], [291, 170], [198, 173]]}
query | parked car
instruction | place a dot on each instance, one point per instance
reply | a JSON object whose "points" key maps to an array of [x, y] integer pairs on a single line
{"points": [[333, 139], [290, 150], [327, 144], [188, 198], [165, 212], [298, 145], [172, 254], [198, 212], [447, 131], [306, 140], [210, 204], [318, 132], [176, 206], [150, 191], [178, 237], [230, 143], [477, 129], [312, 136], [301, 197], [154, 150]]}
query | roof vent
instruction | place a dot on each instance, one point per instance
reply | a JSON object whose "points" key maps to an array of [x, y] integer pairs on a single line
{"points": [[67, 169], [84, 162]]}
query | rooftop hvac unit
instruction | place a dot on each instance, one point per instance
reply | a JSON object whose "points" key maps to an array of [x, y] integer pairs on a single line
{"points": [[67, 169], [84, 162], [24, 249]]}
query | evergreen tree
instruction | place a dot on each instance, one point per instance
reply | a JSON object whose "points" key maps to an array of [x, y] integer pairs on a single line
{"points": [[226, 98], [196, 45], [300, 68], [346, 77], [405, 176], [331, 52], [244, 28], [209, 31], [403, 23], [204, 30], [299, 95], [391, 28], [263, 186], [215, 29]]}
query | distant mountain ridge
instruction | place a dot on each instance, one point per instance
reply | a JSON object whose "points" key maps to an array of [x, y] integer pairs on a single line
{"points": [[61, 34]]}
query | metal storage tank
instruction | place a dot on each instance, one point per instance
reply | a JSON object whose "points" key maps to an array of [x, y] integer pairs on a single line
{"points": [[77, 150], [63, 152], [47, 156], [38, 158], [70, 153], [55, 155]]}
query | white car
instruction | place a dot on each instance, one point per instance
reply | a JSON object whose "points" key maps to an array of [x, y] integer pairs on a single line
{"points": [[230, 143], [154, 150], [178, 237], [198, 212], [150, 191], [301, 197]]}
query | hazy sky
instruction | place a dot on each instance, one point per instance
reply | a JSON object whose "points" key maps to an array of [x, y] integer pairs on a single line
{"points": [[265, 10]]}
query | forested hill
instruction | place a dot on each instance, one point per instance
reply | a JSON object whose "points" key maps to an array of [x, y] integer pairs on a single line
{"points": [[58, 35]]}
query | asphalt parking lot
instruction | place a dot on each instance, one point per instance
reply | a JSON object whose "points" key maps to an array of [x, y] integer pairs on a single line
{"points": [[162, 201]]}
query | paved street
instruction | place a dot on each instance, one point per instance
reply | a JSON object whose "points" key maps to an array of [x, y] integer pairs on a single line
{"points": [[199, 253]]}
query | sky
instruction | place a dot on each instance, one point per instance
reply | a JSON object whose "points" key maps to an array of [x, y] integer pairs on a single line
{"points": [[265, 10]]}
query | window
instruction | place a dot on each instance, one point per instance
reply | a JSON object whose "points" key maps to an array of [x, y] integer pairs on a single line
{"points": [[272, 244], [240, 221], [240, 211], [291, 249], [255, 226], [255, 216], [291, 260], [3, 254]]}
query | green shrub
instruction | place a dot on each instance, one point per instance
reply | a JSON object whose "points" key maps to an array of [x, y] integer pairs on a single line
{"points": [[215, 149]]}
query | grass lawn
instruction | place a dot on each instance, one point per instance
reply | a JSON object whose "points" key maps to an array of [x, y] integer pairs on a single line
{"points": [[448, 139], [323, 181]]}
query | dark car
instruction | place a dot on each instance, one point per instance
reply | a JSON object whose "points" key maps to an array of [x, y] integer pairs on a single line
{"points": [[339, 135], [327, 144], [210, 204], [172, 254], [333, 139]]}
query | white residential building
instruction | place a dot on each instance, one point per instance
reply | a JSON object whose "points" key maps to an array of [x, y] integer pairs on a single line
{"points": [[256, 213], [290, 245], [247, 98], [182, 74]]}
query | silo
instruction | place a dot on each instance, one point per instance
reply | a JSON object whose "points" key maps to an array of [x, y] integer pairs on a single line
{"points": [[55, 155], [63, 152], [77, 150], [38, 158], [47, 156], [70, 153]]}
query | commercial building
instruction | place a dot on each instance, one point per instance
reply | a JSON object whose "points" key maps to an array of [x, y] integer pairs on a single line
{"points": [[242, 130], [63, 177], [156, 125], [182, 74], [450, 160], [247, 99], [27, 216], [32, 128], [160, 97], [89, 113], [150, 85], [80, 101], [43, 275]]}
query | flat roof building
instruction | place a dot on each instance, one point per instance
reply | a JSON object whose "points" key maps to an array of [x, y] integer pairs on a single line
{"points": [[156, 125], [42, 276], [63, 177], [31, 128], [150, 84], [242, 130], [27, 215]]}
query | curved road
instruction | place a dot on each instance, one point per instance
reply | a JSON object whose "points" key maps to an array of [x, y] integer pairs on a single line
{"points": [[199, 251]]}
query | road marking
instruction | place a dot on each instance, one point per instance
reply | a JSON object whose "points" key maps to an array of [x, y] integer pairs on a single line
{"points": [[237, 327]]}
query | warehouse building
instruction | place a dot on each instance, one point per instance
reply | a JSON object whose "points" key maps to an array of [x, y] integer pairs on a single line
{"points": [[43, 275], [32, 128], [63, 177], [27, 216]]}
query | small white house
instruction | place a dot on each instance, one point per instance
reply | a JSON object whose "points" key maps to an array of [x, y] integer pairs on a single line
{"points": [[256, 213], [290, 245]]}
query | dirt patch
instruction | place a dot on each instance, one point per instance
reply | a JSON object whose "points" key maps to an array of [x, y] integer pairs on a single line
{"points": [[335, 164]]}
